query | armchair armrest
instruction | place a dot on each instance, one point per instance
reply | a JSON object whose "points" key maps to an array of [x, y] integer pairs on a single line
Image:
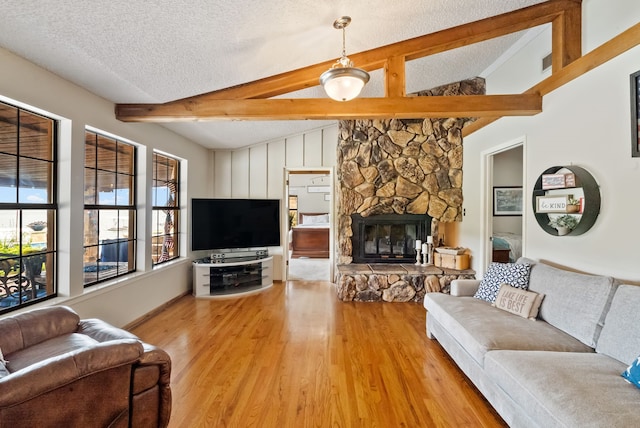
{"points": [[464, 287], [151, 372], [55, 372], [102, 331]]}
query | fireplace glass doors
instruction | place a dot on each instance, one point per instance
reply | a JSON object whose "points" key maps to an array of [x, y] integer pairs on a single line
{"points": [[388, 238]]}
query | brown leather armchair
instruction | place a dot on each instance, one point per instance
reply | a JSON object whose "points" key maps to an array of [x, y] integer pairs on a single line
{"points": [[63, 371]]}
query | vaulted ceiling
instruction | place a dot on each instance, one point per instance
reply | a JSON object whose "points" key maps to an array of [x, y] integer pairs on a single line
{"points": [[240, 53]]}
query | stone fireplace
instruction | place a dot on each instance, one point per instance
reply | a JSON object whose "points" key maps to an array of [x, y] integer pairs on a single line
{"points": [[397, 167]]}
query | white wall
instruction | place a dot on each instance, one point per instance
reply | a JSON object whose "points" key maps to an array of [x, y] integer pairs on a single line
{"points": [[251, 171], [584, 123], [128, 298], [309, 202]]}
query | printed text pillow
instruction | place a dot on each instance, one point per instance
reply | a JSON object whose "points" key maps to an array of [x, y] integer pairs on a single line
{"points": [[520, 302]]}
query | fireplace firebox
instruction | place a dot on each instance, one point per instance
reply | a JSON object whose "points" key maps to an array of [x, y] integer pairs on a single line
{"points": [[388, 238]]}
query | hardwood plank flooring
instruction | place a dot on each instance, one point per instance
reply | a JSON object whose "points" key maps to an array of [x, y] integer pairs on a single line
{"points": [[296, 356]]}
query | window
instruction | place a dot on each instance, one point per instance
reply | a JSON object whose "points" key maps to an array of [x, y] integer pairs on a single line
{"points": [[109, 208], [293, 211], [166, 209], [27, 207]]}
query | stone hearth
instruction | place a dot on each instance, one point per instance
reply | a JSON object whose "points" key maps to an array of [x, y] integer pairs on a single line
{"points": [[394, 282]]}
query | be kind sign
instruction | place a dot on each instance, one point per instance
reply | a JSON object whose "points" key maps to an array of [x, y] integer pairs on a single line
{"points": [[551, 204]]}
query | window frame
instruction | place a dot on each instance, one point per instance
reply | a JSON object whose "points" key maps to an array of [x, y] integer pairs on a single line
{"points": [[170, 238], [28, 290], [95, 249]]}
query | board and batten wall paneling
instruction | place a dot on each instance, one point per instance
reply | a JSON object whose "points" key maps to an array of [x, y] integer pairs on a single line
{"points": [[240, 173], [258, 172], [211, 174], [329, 145], [313, 148], [250, 172], [275, 169], [295, 151], [222, 170]]}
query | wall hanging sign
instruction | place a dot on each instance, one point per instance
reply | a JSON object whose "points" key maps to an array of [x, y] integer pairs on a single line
{"points": [[635, 114], [558, 181], [552, 204]]}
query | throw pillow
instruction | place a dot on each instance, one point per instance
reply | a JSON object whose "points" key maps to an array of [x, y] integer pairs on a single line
{"points": [[518, 301], [514, 274], [632, 373]]}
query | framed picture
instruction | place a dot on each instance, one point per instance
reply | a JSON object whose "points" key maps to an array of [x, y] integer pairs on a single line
{"points": [[507, 200], [635, 114]]}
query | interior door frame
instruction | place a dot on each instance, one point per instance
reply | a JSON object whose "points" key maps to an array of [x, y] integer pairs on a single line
{"points": [[285, 215], [486, 197]]}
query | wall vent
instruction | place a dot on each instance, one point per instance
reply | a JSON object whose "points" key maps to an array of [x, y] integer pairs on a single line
{"points": [[546, 63]]}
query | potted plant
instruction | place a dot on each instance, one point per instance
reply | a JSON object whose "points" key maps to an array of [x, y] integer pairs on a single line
{"points": [[563, 224], [573, 205]]}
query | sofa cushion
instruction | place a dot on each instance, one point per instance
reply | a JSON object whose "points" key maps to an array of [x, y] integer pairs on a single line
{"points": [[566, 389], [518, 301], [28, 328], [620, 336], [514, 274], [47, 349], [575, 303], [479, 327]]}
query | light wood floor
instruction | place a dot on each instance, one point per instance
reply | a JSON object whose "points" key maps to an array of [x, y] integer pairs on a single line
{"points": [[296, 356]]}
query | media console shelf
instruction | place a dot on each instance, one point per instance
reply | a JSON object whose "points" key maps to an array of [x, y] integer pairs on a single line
{"points": [[232, 277]]}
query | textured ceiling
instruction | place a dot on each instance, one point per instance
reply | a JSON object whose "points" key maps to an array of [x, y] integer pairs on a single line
{"points": [[158, 51]]}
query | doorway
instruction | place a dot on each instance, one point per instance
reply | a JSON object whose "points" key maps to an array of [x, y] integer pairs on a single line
{"points": [[309, 212], [504, 231]]}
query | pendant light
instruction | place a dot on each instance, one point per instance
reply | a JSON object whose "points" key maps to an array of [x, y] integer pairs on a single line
{"points": [[343, 82]]}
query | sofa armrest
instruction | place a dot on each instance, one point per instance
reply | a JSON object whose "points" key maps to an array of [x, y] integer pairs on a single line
{"points": [[56, 372], [464, 287]]}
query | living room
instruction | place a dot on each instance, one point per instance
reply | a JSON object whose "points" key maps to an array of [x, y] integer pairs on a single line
{"points": [[586, 122]]}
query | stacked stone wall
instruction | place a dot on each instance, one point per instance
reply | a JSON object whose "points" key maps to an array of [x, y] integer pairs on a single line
{"points": [[409, 166]]}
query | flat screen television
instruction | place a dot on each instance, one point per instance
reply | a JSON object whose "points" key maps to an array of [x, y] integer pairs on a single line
{"points": [[234, 223]]}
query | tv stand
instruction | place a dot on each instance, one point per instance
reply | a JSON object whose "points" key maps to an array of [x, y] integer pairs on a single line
{"points": [[224, 255], [232, 276]]}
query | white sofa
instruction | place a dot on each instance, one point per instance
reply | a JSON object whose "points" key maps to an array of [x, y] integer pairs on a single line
{"points": [[562, 369]]}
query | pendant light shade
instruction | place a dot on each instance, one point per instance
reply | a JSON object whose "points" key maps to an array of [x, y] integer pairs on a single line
{"points": [[343, 82]]}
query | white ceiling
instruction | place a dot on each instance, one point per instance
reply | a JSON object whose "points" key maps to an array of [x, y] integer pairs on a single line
{"points": [[158, 51]]}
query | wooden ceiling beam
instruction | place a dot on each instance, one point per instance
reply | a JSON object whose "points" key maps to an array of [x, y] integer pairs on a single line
{"points": [[620, 44], [564, 14], [321, 109], [566, 40], [394, 77]]}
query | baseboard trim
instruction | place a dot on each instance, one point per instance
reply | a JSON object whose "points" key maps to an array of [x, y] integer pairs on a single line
{"points": [[135, 323]]}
